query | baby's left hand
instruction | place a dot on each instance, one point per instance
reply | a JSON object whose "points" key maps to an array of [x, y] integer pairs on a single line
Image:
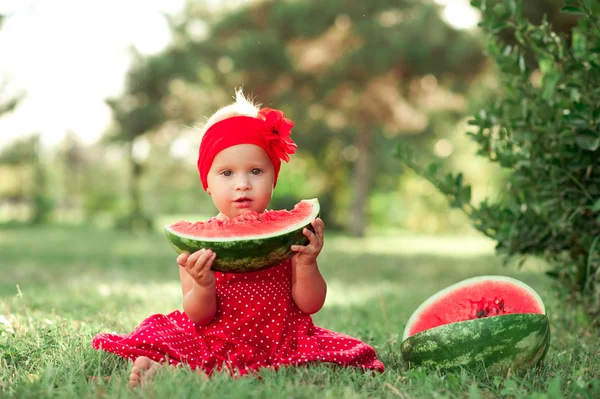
{"points": [[307, 254]]}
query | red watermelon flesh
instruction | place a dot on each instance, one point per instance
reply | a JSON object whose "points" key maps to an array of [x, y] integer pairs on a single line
{"points": [[249, 224], [249, 242], [474, 298]]}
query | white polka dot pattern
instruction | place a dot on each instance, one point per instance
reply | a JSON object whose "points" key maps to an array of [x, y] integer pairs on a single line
{"points": [[257, 325]]}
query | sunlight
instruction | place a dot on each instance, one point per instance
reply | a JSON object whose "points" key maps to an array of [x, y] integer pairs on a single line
{"points": [[342, 294], [169, 292], [155, 297], [415, 245], [459, 13], [339, 293], [7, 324], [83, 62]]}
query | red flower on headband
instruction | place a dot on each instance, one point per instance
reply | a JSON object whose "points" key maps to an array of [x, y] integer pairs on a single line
{"points": [[279, 130]]}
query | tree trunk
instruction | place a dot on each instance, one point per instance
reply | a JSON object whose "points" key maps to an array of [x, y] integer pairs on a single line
{"points": [[41, 203], [137, 219], [362, 181]]}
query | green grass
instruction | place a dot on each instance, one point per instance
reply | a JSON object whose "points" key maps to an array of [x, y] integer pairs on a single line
{"points": [[60, 286]]}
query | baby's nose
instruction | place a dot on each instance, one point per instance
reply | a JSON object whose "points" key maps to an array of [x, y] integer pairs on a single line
{"points": [[243, 184]]}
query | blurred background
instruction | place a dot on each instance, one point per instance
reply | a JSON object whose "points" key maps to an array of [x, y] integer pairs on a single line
{"points": [[100, 108], [100, 104]]}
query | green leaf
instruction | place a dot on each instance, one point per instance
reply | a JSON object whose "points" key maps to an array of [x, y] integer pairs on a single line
{"points": [[500, 10], [596, 115], [579, 106], [578, 43], [596, 206], [459, 180], [403, 152], [572, 10], [465, 195], [550, 82], [433, 168], [588, 142], [575, 120], [499, 26], [522, 64], [545, 65]]}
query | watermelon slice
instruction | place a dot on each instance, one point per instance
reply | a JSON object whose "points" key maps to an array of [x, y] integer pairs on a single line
{"points": [[496, 321], [249, 242]]}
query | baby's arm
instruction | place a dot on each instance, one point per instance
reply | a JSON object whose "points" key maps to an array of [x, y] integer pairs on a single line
{"points": [[308, 285], [198, 286]]}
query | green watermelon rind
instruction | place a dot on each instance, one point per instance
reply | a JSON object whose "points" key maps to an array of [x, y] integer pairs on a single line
{"points": [[249, 254], [515, 341], [470, 281]]}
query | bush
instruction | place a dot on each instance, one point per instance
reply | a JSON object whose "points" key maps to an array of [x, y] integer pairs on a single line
{"points": [[544, 130]]}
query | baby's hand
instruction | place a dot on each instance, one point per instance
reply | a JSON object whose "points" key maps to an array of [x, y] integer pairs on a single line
{"points": [[307, 255], [198, 266]]}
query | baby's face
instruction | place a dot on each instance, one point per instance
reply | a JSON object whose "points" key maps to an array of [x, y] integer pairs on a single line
{"points": [[240, 179]]}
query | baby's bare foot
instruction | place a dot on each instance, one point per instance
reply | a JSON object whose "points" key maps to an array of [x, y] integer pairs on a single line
{"points": [[142, 371]]}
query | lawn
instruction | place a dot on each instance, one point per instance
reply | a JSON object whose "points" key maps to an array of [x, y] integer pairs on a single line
{"points": [[61, 285]]}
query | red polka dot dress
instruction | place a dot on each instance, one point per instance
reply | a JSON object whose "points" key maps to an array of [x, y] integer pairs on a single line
{"points": [[257, 325]]}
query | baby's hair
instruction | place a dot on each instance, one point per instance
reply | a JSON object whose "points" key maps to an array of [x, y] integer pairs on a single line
{"points": [[242, 106]]}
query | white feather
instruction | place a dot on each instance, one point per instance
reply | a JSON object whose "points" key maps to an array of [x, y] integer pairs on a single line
{"points": [[242, 106]]}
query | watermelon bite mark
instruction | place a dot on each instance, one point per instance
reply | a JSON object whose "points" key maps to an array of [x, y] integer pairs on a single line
{"points": [[249, 242], [247, 225]]}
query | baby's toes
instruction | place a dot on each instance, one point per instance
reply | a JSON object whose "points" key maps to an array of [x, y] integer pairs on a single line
{"points": [[135, 378], [142, 366]]}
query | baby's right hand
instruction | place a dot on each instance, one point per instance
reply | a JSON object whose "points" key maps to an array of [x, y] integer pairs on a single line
{"points": [[198, 266]]}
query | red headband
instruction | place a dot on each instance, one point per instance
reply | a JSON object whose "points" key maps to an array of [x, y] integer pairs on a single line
{"points": [[269, 130]]}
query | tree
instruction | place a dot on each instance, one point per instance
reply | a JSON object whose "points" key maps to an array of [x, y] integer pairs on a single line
{"points": [[72, 157], [24, 157], [141, 111], [544, 131], [7, 104], [346, 77]]}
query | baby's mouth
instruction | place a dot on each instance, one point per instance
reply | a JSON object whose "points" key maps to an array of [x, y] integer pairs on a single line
{"points": [[243, 202]]}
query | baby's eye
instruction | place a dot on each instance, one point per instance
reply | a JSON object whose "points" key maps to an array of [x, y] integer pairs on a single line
{"points": [[256, 171], [226, 173]]}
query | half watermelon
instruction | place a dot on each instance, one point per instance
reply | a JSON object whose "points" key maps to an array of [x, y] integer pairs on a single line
{"points": [[249, 242], [495, 321]]}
